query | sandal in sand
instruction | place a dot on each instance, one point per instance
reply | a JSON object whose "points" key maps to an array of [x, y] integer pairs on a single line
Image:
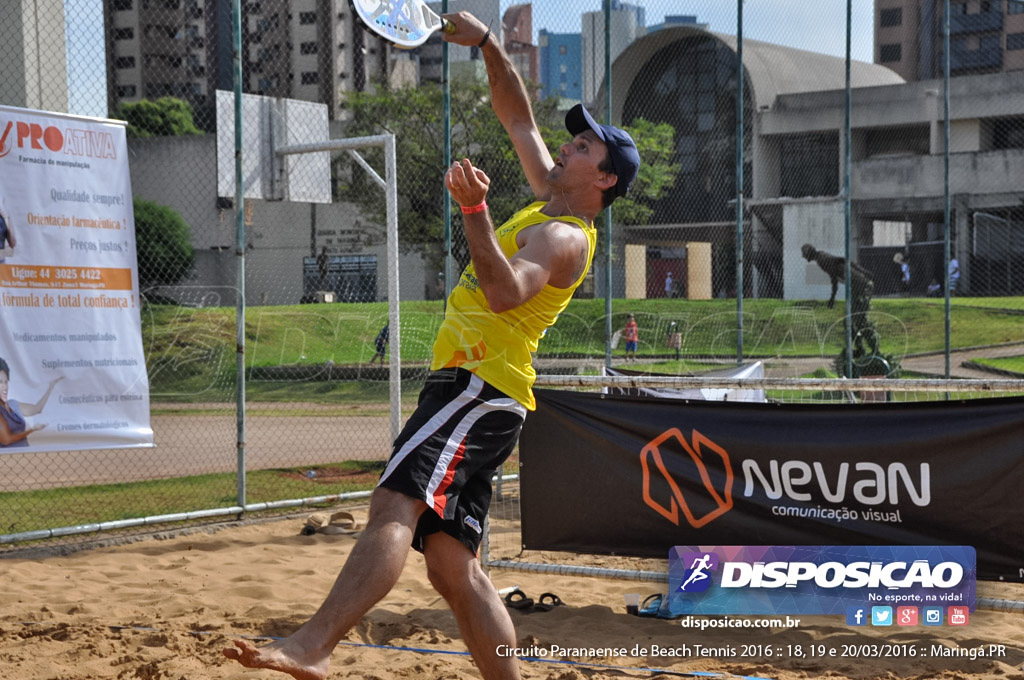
{"points": [[341, 522], [547, 602], [517, 599]]}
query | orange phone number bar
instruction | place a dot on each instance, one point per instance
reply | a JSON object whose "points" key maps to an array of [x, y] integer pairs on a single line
{"points": [[65, 278]]}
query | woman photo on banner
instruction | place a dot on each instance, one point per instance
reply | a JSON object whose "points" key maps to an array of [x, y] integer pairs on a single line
{"points": [[7, 240], [14, 429]]}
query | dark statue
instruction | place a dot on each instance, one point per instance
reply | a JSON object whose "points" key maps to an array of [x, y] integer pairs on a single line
{"points": [[866, 359], [861, 286]]}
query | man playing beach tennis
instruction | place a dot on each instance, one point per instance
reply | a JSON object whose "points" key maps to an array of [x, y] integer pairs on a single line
{"points": [[436, 489]]}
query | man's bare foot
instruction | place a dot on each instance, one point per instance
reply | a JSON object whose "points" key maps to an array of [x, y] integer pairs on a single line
{"points": [[277, 657]]}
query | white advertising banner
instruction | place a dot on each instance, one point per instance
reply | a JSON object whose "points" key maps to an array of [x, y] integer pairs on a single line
{"points": [[72, 369]]}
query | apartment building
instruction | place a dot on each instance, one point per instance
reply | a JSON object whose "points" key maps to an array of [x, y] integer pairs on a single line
{"points": [[33, 67], [561, 65], [986, 36], [303, 49], [517, 25], [627, 24]]}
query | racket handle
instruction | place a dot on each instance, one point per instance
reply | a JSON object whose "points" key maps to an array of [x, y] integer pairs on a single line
{"points": [[447, 26]]}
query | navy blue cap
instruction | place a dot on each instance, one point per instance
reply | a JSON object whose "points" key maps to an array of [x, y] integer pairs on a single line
{"points": [[621, 148]]}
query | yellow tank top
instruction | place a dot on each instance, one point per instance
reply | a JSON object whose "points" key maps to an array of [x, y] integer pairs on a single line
{"points": [[499, 347]]}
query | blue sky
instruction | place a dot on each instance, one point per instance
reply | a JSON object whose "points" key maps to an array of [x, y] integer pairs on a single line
{"points": [[87, 76], [815, 25]]}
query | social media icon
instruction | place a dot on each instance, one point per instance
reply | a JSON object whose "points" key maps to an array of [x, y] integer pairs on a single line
{"points": [[881, 616], [856, 616], [932, 616], [958, 616], [906, 616]]}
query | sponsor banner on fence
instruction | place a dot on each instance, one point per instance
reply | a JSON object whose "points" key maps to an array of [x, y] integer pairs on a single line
{"points": [[655, 473], [747, 371], [817, 579], [71, 340]]}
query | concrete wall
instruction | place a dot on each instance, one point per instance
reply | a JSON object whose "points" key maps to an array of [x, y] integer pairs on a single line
{"points": [[986, 96], [964, 135], [181, 172], [698, 271], [821, 225], [636, 271], [987, 172]]}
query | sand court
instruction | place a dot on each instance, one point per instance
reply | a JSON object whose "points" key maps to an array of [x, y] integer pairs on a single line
{"points": [[163, 608]]}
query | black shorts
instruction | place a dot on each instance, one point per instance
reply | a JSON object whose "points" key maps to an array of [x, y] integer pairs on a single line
{"points": [[462, 431]]}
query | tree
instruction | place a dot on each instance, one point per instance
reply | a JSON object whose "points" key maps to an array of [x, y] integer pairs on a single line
{"points": [[414, 116], [164, 244], [167, 116], [656, 144]]}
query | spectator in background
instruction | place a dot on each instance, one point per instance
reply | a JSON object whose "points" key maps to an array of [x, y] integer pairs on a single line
{"points": [[380, 343], [904, 273], [934, 288], [668, 285], [954, 274], [631, 335], [322, 262], [674, 339]]}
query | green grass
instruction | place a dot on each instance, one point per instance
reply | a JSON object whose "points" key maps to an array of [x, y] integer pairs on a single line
{"points": [[45, 509], [1013, 364], [834, 397], [351, 393], [191, 352], [1013, 303], [34, 510]]}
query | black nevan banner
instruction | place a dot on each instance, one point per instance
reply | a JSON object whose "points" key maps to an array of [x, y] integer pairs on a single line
{"points": [[637, 475]]}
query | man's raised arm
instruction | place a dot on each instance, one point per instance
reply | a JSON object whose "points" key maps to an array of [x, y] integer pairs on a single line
{"points": [[508, 97]]}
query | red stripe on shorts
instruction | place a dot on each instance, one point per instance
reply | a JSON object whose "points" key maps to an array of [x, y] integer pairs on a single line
{"points": [[439, 498]]}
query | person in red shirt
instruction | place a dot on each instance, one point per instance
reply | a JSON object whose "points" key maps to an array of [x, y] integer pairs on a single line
{"points": [[631, 336]]}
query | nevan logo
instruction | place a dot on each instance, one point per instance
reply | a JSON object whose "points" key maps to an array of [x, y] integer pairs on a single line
{"points": [[869, 484], [701, 446]]}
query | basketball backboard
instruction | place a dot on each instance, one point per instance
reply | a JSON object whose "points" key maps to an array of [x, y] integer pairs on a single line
{"points": [[269, 124]]}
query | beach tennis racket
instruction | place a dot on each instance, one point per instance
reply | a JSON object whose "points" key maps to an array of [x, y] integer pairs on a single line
{"points": [[403, 23]]}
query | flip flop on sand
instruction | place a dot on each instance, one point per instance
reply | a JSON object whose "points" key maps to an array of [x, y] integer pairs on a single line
{"points": [[547, 602], [650, 606], [341, 522], [517, 599]]}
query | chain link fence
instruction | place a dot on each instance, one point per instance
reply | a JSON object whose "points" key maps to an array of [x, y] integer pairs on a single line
{"points": [[708, 285], [505, 547]]}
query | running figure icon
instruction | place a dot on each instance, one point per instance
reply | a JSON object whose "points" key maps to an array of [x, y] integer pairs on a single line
{"points": [[698, 570]]}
